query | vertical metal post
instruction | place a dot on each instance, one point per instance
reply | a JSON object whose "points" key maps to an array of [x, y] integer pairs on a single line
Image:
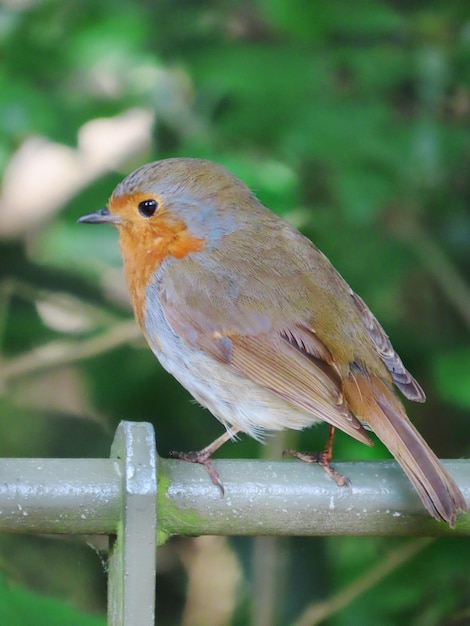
{"points": [[132, 558]]}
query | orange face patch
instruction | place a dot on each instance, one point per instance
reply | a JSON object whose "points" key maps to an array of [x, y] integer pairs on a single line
{"points": [[147, 242], [125, 205]]}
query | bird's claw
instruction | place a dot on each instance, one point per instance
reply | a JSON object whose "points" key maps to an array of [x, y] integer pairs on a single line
{"points": [[323, 459], [201, 458]]}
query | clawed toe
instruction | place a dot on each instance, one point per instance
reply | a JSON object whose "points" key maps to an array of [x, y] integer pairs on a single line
{"points": [[320, 458], [202, 458], [323, 459]]}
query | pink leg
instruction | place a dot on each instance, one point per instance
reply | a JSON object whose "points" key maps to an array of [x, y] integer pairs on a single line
{"points": [[323, 459]]}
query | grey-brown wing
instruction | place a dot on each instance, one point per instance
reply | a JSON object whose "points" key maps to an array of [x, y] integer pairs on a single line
{"points": [[401, 377]]}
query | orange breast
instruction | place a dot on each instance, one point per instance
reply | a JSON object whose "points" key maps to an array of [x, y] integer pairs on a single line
{"points": [[145, 248]]}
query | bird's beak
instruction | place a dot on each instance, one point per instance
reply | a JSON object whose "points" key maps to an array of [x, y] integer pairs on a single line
{"points": [[101, 216]]}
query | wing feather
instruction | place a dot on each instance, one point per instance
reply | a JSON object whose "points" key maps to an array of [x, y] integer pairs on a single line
{"points": [[401, 377], [296, 376]]}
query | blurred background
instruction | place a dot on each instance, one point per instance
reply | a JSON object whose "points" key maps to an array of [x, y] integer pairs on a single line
{"points": [[349, 119]]}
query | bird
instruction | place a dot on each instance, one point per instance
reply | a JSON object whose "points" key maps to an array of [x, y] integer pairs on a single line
{"points": [[256, 323]]}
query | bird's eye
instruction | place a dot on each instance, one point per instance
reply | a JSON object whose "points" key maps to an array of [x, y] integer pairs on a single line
{"points": [[147, 207]]}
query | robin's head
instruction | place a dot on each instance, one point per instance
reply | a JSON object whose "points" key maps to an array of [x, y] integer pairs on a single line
{"points": [[169, 198]]}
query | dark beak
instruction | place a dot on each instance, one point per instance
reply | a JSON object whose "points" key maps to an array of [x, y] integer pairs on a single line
{"points": [[102, 216]]}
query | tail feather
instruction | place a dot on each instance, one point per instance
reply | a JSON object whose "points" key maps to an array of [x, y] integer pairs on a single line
{"points": [[382, 410]]}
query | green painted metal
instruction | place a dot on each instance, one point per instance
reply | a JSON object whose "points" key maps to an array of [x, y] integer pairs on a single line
{"points": [[291, 497], [133, 549], [118, 497]]}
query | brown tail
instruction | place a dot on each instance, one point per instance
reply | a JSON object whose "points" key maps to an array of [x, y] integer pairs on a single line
{"points": [[372, 400]]}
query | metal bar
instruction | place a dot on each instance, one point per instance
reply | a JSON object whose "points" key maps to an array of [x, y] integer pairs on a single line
{"points": [[261, 497], [295, 498], [59, 495], [133, 550]]}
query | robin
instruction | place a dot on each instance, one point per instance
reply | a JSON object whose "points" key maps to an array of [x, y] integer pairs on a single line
{"points": [[254, 321]]}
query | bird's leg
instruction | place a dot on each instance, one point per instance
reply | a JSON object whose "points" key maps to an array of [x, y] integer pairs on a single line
{"points": [[204, 456], [323, 459]]}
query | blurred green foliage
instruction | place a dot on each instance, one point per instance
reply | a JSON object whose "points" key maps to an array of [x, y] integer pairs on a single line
{"points": [[351, 120], [19, 606]]}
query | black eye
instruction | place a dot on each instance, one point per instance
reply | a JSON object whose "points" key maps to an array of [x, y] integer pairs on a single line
{"points": [[147, 207]]}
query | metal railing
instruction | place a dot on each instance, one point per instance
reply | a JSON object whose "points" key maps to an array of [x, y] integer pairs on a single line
{"points": [[119, 497]]}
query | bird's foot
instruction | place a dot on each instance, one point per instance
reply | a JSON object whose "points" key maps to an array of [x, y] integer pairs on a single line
{"points": [[323, 459], [202, 458]]}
